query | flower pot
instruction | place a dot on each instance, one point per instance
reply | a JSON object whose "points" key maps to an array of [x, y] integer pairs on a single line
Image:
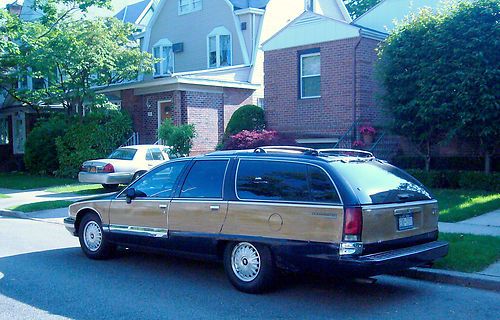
{"points": [[367, 139]]}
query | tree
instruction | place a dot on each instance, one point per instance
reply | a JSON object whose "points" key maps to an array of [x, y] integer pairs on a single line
{"points": [[358, 7], [440, 73], [66, 56]]}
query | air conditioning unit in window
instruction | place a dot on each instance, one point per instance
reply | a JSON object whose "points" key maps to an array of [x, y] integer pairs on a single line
{"points": [[178, 47]]}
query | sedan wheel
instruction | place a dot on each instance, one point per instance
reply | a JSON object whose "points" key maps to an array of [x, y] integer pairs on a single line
{"points": [[92, 239], [249, 267]]}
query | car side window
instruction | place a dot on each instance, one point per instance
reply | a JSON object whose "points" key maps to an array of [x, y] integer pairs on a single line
{"points": [[160, 182], [272, 180], [322, 188], [154, 154], [205, 179]]}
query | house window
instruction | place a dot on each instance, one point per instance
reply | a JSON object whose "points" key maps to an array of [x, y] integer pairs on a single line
{"points": [[219, 48], [187, 6], [162, 50], [310, 76], [4, 131]]}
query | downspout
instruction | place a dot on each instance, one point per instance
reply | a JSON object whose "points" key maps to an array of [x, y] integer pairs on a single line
{"points": [[354, 89]]}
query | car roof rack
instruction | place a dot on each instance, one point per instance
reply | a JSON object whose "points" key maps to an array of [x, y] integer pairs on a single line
{"points": [[366, 155], [287, 149]]}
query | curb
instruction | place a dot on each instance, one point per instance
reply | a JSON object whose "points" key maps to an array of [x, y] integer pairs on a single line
{"points": [[13, 214], [471, 280]]}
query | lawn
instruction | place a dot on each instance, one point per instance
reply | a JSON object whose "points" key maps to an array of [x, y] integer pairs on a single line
{"points": [[82, 189], [469, 253], [22, 181], [3, 196], [457, 204], [44, 205]]}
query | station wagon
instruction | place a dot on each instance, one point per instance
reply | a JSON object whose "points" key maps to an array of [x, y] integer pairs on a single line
{"points": [[334, 211]]}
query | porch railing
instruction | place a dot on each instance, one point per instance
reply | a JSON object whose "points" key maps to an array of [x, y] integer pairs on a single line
{"points": [[132, 140]]}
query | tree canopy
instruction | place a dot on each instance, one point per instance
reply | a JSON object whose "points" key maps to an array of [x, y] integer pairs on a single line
{"points": [[60, 58], [358, 7], [441, 75]]}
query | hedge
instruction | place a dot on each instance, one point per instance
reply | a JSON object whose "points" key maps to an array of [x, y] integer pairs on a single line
{"points": [[446, 163], [448, 179], [248, 117]]}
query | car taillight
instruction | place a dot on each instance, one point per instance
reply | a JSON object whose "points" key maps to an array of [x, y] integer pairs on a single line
{"points": [[108, 168], [353, 224], [82, 168]]}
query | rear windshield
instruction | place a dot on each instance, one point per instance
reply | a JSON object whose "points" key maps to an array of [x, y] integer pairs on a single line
{"points": [[378, 183], [123, 154]]}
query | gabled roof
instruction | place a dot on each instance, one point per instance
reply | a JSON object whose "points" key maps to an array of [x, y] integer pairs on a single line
{"points": [[133, 12], [243, 4]]}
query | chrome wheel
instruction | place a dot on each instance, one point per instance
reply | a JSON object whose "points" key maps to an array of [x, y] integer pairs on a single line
{"points": [[245, 261], [92, 236]]}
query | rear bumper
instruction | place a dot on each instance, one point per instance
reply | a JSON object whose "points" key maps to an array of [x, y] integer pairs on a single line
{"points": [[105, 178], [394, 260], [69, 224]]}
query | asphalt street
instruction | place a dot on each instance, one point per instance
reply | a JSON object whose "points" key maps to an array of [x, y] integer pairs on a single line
{"points": [[44, 275]]}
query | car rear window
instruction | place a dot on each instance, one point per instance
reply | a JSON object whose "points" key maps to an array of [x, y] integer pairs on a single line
{"points": [[123, 154], [378, 183]]}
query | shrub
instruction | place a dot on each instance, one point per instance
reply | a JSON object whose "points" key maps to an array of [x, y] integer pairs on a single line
{"points": [[473, 180], [179, 138], [93, 136], [253, 139], [40, 155], [248, 117], [455, 163]]}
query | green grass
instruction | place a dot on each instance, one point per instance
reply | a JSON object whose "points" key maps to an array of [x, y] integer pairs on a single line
{"points": [[22, 181], [83, 189], [457, 204], [3, 196], [469, 253], [44, 205]]}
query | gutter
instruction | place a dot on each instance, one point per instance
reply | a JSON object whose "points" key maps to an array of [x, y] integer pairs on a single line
{"points": [[354, 83]]}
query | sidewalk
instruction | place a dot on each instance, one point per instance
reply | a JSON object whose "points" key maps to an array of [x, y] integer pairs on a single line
{"points": [[487, 224]]}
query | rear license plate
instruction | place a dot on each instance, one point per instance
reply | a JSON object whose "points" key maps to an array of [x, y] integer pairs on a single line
{"points": [[405, 221], [93, 169]]}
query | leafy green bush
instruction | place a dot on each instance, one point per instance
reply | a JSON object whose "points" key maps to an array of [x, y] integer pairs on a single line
{"points": [[40, 154], [178, 138], [93, 136], [445, 163], [248, 117], [473, 180]]}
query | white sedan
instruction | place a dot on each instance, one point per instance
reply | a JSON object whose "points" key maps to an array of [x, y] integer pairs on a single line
{"points": [[123, 166]]}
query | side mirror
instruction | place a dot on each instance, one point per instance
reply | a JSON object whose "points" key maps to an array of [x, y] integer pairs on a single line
{"points": [[130, 194]]}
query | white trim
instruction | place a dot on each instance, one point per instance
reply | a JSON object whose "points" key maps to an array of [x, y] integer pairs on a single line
{"points": [[161, 44], [241, 40], [302, 56], [143, 13], [217, 32], [249, 10]]}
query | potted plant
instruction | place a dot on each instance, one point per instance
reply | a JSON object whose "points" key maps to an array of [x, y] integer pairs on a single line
{"points": [[367, 132]]}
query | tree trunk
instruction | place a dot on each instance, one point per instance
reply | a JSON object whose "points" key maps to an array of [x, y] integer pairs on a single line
{"points": [[487, 162], [427, 163]]}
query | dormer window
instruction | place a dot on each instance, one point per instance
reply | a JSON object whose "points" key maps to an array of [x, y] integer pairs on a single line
{"points": [[188, 6], [219, 47], [162, 50]]}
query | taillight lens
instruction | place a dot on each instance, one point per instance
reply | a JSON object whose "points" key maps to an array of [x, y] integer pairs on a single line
{"points": [[108, 168], [353, 224]]}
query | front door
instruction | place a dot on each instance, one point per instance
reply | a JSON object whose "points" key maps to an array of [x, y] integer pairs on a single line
{"points": [[197, 214], [144, 220], [165, 111]]}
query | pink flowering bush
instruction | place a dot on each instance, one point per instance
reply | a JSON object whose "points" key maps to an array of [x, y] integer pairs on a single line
{"points": [[367, 130], [253, 139]]}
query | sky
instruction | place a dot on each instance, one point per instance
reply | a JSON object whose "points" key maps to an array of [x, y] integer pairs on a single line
{"points": [[3, 3]]}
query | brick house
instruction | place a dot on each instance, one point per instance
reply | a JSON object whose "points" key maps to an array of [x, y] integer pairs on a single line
{"points": [[320, 84], [211, 63]]}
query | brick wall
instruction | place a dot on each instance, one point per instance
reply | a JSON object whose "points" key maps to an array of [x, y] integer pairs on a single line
{"points": [[209, 112], [332, 114]]}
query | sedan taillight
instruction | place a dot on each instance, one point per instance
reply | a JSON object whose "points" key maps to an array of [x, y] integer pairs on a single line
{"points": [[108, 168]]}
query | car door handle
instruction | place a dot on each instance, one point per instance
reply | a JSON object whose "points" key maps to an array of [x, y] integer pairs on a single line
{"points": [[214, 208], [163, 206]]}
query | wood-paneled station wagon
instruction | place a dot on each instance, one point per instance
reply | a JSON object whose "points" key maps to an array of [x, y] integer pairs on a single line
{"points": [[338, 211]]}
